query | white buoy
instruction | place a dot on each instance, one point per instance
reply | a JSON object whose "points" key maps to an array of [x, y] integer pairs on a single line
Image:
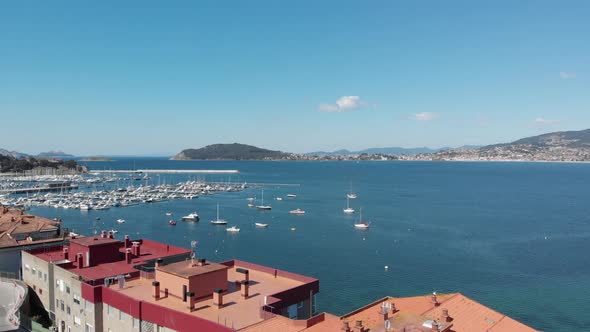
{"points": [[386, 267]]}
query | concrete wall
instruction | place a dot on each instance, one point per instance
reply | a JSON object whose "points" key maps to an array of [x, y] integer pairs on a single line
{"points": [[41, 285], [204, 284]]}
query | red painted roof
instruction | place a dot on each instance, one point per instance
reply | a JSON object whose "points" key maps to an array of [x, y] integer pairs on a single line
{"points": [[149, 250]]}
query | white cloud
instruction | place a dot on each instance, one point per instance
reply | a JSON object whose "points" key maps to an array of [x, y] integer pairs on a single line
{"points": [[543, 121], [424, 116], [566, 76], [343, 104]]}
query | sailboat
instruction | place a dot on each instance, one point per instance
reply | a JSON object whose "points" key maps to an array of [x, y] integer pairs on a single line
{"points": [[351, 195], [361, 224], [348, 209], [218, 221], [262, 206]]}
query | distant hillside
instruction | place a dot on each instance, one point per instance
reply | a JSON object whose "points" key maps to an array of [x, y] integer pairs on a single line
{"points": [[14, 154], [9, 164], [556, 146], [564, 139], [54, 155], [388, 151], [233, 151]]}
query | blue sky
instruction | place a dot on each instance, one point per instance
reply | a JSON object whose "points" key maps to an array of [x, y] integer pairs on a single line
{"points": [[155, 77]]}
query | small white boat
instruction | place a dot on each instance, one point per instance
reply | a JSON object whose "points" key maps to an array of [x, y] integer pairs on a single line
{"points": [[84, 207], [361, 224], [218, 221], [279, 198], [291, 195], [348, 209], [168, 213], [351, 196], [262, 206], [258, 224], [250, 205], [72, 234], [191, 217], [251, 199], [297, 211], [120, 221], [232, 229], [114, 231]]}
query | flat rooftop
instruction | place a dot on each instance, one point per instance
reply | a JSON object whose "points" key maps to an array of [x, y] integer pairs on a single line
{"points": [[237, 312], [150, 250], [184, 270]]}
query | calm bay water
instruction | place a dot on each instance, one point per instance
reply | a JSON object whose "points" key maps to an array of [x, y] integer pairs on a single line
{"points": [[514, 236]]}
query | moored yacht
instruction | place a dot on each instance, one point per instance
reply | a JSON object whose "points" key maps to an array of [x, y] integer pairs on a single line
{"points": [[262, 206], [348, 209], [191, 217], [297, 211], [218, 221], [232, 229]]}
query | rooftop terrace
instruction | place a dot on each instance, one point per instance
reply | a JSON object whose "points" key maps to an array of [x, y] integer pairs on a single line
{"points": [[237, 312], [16, 226]]}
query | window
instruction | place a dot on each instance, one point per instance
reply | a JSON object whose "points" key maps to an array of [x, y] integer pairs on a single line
{"points": [[33, 271], [76, 298], [314, 304], [56, 303], [68, 310], [45, 277], [77, 321], [67, 289], [123, 316], [135, 323], [292, 311], [61, 305], [26, 267], [89, 328], [39, 274], [300, 305], [40, 291]]}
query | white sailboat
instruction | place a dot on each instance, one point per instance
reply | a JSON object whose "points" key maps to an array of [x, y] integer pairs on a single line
{"points": [[218, 221], [261, 225], [361, 224], [351, 195], [348, 209], [262, 206]]}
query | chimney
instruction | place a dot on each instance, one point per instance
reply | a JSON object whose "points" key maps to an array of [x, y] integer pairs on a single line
{"points": [[110, 236], [245, 288], [191, 301], [218, 297], [384, 312], [156, 285], [136, 248], [445, 315], [66, 254], [393, 308], [345, 326], [358, 326], [128, 255], [80, 260], [103, 234], [127, 241], [158, 262], [434, 299], [201, 262]]}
